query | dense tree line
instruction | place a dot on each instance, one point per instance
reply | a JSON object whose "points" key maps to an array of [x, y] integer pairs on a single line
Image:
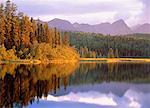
{"points": [[136, 45], [22, 33]]}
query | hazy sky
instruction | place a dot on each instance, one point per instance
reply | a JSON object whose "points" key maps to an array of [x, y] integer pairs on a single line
{"points": [[88, 11]]}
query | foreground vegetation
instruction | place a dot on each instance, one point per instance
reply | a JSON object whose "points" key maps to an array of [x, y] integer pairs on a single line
{"points": [[22, 37]]}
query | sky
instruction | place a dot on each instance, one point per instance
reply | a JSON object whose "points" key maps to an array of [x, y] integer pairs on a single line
{"points": [[133, 12]]}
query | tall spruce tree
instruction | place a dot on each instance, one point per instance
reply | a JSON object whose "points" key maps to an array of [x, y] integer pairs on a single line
{"points": [[8, 19], [2, 24], [26, 29], [33, 32], [66, 39]]}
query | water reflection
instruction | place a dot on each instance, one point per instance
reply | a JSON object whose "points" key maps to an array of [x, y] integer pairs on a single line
{"points": [[20, 86], [120, 72], [23, 84]]}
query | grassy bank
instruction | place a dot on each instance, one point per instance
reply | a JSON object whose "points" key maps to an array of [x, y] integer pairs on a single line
{"points": [[116, 59], [20, 61], [37, 61], [61, 61]]}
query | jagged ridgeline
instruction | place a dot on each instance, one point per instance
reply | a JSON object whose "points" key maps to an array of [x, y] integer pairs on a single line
{"points": [[26, 38]]}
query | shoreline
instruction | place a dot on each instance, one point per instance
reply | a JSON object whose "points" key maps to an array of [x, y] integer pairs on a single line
{"points": [[84, 60], [36, 62], [117, 60]]}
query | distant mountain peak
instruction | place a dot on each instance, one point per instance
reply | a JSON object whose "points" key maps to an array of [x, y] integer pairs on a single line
{"points": [[118, 27], [59, 20], [119, 22], [144, 28], [61, 24], [75, 23], [56, 19]]}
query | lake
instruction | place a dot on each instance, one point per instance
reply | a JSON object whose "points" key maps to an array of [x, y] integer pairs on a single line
{"points": [[75, 85]]}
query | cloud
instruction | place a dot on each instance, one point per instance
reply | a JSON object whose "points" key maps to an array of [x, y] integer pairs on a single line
{"points": [[131, 99], [145, 15], [87, 97], [66, 7], [87, 11], [90, 18]]}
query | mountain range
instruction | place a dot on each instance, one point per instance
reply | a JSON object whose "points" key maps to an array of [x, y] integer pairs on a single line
{"points": [[118, 27]]}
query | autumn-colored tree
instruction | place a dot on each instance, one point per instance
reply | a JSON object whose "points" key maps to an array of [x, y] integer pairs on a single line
{"points": [[51, 37], [94, 54], [59, 42], [33, 33], [55, 38], [7, 54], [66, 39], [2, 25], [111, 53], [47, 36], [8, 19], [18, 33], [15, 32], [25, 31], [40, 32]]}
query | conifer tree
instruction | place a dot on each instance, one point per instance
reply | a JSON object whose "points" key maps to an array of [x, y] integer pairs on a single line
{"points": [[55, 38], [8, 19], [47, 37], [58, 38], [16, 32], [26, 29], [33, 33], [66, 39], [2, 25], [40, 32]]}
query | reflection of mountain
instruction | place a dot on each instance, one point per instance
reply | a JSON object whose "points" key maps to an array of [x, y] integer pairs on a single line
{"points": [[24, 83]]}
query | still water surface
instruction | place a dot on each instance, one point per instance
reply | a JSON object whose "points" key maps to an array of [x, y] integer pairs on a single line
{"points": [[80, 85]]}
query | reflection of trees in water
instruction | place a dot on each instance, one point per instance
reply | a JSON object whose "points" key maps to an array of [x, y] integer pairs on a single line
{"points": [[27, 82], [111, 67], [6, 68], [126, 72], [20, 84]]}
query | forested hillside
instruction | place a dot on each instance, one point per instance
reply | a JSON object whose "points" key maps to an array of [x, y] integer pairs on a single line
{"points": [[26, 38], [135, 45]]}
